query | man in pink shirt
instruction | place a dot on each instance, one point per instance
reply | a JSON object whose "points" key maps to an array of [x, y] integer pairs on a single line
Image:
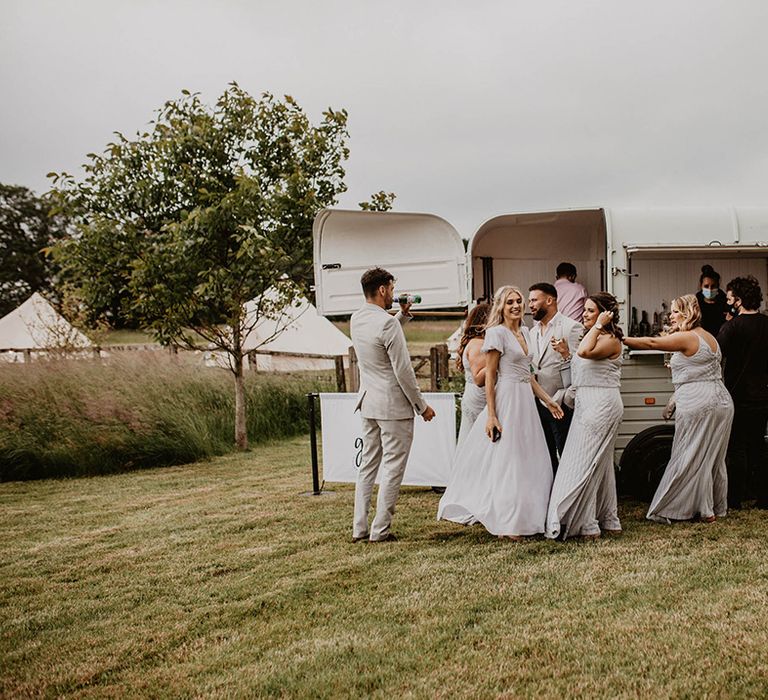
{"points": [[570, 294]]}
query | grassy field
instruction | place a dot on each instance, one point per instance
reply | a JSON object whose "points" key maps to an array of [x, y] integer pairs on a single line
{"points": [[420, 334], [135, 410], [220, 579], [127, 336]]}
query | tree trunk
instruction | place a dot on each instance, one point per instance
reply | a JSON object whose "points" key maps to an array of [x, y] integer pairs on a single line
{"points": [[241, 432]]}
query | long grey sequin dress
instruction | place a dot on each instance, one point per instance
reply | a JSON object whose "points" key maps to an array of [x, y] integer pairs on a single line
{"points": [[583, 498], [695, 482]]}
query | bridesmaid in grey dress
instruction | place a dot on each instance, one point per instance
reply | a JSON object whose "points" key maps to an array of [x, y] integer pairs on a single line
{"points": [[695, 483], [583, 500], [471, 359]]}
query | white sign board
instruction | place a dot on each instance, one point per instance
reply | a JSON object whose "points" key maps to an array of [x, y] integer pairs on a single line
{"points": [[429, 463]]}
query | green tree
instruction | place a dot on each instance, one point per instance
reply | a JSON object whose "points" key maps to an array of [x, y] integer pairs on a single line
{"points": [[211, 208], [379, 201], [27, 230]]}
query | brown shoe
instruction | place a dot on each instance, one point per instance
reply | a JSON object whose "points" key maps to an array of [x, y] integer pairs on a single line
{"points": [[708, 518], [613, 533], [362, 538], [595, 536], [389, 537]]}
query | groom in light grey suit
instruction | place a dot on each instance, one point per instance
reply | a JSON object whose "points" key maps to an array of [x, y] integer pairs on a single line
{"points": [[389, 397]]}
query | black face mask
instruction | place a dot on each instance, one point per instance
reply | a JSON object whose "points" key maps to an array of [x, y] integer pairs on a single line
{"points": [[733, 311]]}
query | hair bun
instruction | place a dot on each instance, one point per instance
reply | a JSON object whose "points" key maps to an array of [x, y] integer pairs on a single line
{"points": [[708, 271]]}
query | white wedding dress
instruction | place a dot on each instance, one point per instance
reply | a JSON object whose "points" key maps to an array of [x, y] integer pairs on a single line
{"points": [[504, 485]]}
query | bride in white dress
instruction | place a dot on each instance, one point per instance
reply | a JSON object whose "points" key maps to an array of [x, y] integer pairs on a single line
{"points": [[504, 484]]}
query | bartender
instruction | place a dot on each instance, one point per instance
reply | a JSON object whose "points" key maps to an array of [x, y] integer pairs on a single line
{"points": [[712, 300]]}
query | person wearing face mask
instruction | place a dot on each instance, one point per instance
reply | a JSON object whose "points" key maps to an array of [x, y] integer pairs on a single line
{"points": [[712, 301], [744, 342], [695, 482]]}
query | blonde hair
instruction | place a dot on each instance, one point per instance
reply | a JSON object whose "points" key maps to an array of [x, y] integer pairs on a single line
{"points": [[496, 314], [688, 306]]}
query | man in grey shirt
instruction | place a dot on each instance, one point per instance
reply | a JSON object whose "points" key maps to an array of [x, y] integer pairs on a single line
{"points": [[554, 338]]}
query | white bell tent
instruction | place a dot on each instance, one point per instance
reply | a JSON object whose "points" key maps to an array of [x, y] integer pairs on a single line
{"points": [[301, 333], [36, 325]]}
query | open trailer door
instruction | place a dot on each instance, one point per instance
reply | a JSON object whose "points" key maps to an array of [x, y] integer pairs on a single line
{"points": [[424, 253], [526, 248]]}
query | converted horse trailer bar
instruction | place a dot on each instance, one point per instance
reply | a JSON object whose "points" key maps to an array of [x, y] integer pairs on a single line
{"points": [[645, 257]]}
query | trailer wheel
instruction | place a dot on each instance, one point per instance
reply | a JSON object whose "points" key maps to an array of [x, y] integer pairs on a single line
{"points": [[644, 460]]}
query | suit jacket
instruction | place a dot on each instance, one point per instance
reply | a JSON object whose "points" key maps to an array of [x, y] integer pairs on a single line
{"points": [[547, 362], [388, 388]]}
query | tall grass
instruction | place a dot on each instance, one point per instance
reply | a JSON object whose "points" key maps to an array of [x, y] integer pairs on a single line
{"points": [[73, 418]]}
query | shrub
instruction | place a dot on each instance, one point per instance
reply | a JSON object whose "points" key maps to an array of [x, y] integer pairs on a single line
{"points": [[73, 418]]}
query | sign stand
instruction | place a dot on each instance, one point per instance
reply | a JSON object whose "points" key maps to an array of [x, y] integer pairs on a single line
{"points": [[317, 487]]}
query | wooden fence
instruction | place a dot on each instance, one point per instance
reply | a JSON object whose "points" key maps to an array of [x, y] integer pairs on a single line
{"points": [[438, 360]]}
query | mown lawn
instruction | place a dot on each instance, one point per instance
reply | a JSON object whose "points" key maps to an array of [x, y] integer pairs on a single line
{"points": [[221, 579]]}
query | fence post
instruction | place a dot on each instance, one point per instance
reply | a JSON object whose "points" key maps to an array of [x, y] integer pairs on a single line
{"points": [[341, 380], [354, 371], [27, 355], [443, 355], [96, 352], [434, 369]]}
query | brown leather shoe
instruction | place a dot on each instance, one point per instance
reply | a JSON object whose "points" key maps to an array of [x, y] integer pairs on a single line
{"points": [[612, 533]]}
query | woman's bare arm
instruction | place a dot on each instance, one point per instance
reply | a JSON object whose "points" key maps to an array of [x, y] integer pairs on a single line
{"points": [[552, 406], [686, 342], [491, 370], [605, 346]]}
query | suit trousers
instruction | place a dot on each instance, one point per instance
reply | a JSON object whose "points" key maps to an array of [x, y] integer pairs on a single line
{"points": [[386, 445], [555, 431], [748, 456]]}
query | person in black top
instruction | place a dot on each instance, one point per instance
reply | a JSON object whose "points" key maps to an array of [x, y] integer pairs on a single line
{"points": [[744, 344], [712, 300]]}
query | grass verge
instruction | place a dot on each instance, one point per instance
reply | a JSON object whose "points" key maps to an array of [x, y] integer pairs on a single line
{"points": [[219, 579]]}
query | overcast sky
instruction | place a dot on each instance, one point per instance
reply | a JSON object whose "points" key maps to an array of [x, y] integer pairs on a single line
{"points": [[466, 110]]}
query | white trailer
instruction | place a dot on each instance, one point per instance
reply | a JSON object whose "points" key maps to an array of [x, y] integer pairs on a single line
{"points": [[642, 256]]}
